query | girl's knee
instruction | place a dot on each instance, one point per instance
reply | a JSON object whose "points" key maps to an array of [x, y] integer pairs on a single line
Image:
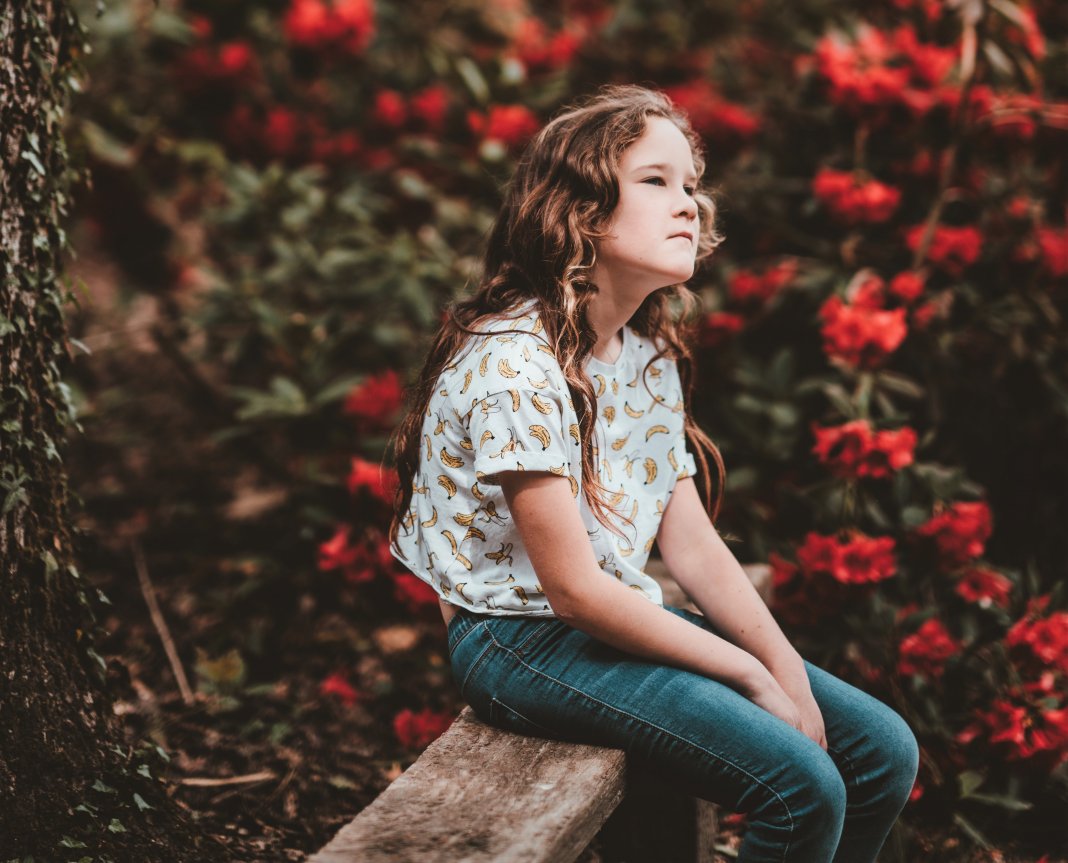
{"points": [[811, 798]]}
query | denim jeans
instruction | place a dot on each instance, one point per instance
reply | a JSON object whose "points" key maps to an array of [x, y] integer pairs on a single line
{"points": [[539, 676]]}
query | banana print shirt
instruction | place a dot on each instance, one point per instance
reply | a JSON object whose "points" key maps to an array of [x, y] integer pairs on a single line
{"points": [[503, 404]]}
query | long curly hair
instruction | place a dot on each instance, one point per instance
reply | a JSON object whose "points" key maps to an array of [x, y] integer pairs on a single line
{"points": [[559, 202]]}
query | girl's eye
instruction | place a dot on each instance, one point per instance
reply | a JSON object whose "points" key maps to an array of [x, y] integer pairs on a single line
{"points": [[690, 190]]}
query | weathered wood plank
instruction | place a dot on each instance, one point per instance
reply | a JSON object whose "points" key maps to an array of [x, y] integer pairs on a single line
{"points": [[480, 794]]}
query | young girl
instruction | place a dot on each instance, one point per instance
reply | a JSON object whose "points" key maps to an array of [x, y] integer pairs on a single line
{"points": [[548, 447]]}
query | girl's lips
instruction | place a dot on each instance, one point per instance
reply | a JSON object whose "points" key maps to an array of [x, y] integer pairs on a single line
{"points": [[684, 236]]}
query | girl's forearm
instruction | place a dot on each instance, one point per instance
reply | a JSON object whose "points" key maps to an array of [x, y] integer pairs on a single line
{"points": [[607, 610], [721, 589]]}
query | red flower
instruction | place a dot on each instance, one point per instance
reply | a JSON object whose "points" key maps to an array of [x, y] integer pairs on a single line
{"points": [[907, 286], [853, 450], [429, 106], [345, 24], [380, 482], [537, 50], [336, 553], [860, 337], [926, 651], [951, 249], [851, 201], [712, 116], [1045, 638], [419, 730], [959, 532], [376, 400], [361, 562], [1053, 245], [389, 109], [716, 326], [510, 125], [338, 684], [859, 560], [985, 587], [1024, 726], [280, 132], [414, 593], [746, 285]]}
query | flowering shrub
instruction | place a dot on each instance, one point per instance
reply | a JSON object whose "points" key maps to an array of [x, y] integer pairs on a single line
{"points": [[882, 351]]}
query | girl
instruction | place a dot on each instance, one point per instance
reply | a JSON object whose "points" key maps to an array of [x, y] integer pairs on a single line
{"points": [[549, 446]]}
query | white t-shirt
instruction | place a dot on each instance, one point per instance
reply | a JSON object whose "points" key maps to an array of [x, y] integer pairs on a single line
{"points": [[503, 404]]}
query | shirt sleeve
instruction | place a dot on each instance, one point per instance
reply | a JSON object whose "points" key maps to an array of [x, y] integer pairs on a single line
{"points": [[522, 428]]}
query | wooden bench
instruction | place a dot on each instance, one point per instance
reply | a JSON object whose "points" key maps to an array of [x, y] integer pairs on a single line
{"points": [[478, 794]]}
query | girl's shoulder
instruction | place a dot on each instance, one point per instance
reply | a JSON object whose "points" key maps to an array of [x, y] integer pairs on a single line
{"points": [[511, 351]]}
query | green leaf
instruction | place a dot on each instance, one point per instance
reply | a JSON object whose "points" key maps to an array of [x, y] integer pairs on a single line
{"points": [[1010, 803], [968, 781], [100, 786], [116, 826], [140, 801], [67, 842]]}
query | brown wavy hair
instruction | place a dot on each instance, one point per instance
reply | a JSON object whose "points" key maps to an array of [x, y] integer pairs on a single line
{"points": [[559, 201]]}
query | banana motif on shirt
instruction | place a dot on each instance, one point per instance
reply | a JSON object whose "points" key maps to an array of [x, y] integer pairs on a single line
{"points": [[631, 412], [541, 434], [430, 522], [657, 429], [447, 484], [505, 369], [450, 460], [522, 594], [575, 432], [504, 554], [541, 405], [602, 384], [609, 413], [508, 580], [650, 470], [474, 532], [671, 460], [466, 444], [619, 443], [468, 375]]}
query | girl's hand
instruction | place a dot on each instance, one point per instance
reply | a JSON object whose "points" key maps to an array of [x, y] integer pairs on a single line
{"points": [[795, 684], [800, 711]]}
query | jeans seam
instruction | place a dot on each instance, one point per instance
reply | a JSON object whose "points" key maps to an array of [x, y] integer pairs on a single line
{"points": [[649, 724], [474, 667], [459, 640]]}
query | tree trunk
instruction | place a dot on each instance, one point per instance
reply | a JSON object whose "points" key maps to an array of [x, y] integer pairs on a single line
{"points": [[69, 786]]}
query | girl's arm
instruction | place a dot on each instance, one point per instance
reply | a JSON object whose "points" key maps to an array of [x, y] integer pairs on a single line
{"points": [[709, 574], [582, 595]]}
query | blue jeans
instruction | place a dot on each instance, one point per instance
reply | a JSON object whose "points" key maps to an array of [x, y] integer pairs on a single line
{"points": [[542, 677]]}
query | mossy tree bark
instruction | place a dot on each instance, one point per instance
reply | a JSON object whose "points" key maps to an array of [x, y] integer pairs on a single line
{"points": [[70, 787]]}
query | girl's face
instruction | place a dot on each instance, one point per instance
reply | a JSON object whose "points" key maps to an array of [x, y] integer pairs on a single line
{"points": [[654, 228]]}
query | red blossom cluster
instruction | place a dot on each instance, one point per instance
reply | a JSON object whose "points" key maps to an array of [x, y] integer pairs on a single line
{"points": [[375, 402], [713, 117], [860, 336], [539, 50], [827, 573], [854, 450], [379, 481], [985, 587], [504, 126], [1042, 639], [859, 559], [338, 685], [959, 532], [229, 64], [879, 71], [852, 200], [717, 326], [747, 286], [952, 249], [347, 25], [424, 110], [1022, 726], [419, 730], [359, 561], [925, 651]]}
